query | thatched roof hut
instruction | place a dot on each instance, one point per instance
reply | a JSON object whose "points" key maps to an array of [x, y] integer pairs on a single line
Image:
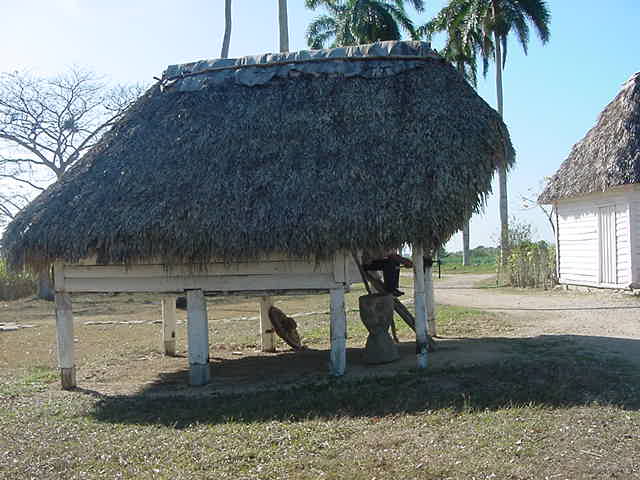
{"points": [[609, 154], [306, 153], [597, 199], [265, 173]]}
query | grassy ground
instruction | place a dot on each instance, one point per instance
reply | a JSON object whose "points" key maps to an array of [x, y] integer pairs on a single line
{"points": [[459, 268], [544, 409]]}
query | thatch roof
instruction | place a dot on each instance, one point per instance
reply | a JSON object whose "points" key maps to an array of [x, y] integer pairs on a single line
{"points": [[609, 154], [305, 153]]}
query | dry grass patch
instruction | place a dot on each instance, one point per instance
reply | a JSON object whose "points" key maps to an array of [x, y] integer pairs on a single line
{"points": [[498, 421], [540, 408]]}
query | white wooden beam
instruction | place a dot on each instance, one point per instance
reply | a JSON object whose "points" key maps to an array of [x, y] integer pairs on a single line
{"points": [[338, 333], [267, 333], [142, 270], [429, 301], [421, 310], [133, 281], [64, 329], [169, 325], [198, 337]]}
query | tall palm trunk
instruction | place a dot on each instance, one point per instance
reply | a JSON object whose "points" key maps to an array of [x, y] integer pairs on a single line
{"points": [[227, 29], [502, 169], [465, 228], [284, 25]]}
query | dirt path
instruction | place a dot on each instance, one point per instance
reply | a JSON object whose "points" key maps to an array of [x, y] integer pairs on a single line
{"points": [[606, 320]]}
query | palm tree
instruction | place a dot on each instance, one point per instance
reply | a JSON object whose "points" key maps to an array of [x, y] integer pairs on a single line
{"points": [[491, 22], [505, 16], [354, 22], [463, 43], [461, 49], [284, 25], [227, 29]]}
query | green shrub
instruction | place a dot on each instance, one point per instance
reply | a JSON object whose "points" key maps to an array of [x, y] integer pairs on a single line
{"points": [[532, 264], [15, 285]]}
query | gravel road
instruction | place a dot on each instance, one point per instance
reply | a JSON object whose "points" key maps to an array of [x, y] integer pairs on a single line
{"points": [[606, 320]]}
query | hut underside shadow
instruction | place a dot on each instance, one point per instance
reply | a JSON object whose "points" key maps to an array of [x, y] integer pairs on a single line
{"points": [[266, 279]]}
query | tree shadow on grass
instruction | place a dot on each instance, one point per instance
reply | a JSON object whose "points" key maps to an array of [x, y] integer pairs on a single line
{"points": [[551, 371]]}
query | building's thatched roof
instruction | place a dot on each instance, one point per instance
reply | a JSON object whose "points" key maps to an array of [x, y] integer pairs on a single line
{"points": [[609, 154], [305, 153]]}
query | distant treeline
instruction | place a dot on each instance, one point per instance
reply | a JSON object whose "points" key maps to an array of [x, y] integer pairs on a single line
{"points": [[478, 256]]}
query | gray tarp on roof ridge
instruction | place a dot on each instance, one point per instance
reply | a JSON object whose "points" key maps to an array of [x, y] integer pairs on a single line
{"points": [[261, 69]]}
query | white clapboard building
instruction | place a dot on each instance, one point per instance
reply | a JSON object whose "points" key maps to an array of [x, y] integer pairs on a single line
{"points": [[596, 195]]}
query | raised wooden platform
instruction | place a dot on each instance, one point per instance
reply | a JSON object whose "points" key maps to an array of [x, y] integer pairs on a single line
{"points": [[275, 275]]}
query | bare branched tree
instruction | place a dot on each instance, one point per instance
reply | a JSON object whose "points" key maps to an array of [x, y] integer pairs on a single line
{"points": [[530, 202], [47, 124], [11, 202]]}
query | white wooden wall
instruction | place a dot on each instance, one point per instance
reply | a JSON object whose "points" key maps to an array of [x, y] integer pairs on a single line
{"points": [[581, 245], [634, 235]]}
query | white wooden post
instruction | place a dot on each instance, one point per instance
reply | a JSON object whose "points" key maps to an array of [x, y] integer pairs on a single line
{"points": [[169, 325], [430, 301], [198, 337], [421, 310], [267, 333], [64, 328], [338, 332]]}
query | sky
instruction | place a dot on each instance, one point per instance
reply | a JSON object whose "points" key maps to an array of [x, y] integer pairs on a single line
{"points": [[552, 96]]}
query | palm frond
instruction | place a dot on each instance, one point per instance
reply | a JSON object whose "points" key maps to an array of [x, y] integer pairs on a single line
{"points": [[418, 5], [320, 31], [364, 21], [537, 12], [401, 18], [315, 4]]}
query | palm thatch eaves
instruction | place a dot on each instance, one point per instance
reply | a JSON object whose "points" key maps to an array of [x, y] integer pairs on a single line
{"points": [[305, 153], [609, 154]]}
